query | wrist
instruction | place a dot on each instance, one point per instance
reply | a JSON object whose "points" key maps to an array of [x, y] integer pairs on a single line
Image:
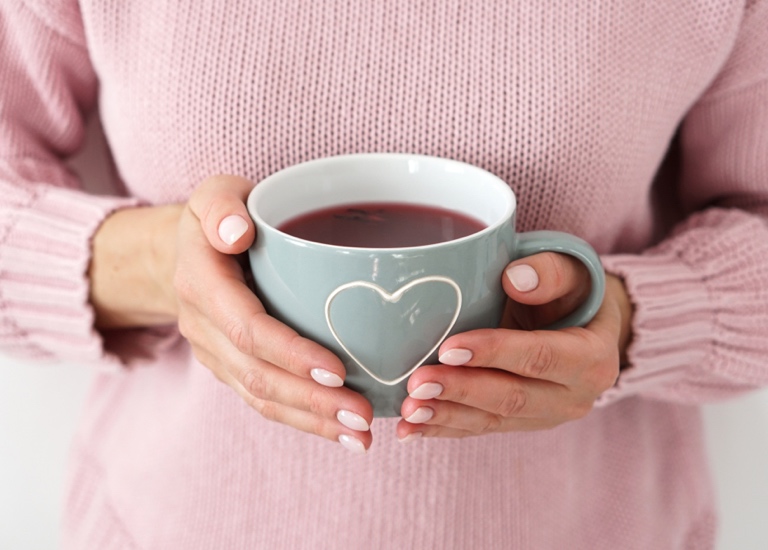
{"points": [[616, 289], [132, 264]]}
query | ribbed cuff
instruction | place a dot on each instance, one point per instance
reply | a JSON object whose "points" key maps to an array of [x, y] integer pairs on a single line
{"points": [[672, 326], [44, 263], [700, 314]]}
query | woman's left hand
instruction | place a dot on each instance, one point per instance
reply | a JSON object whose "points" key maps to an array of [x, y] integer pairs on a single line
{"points": [[513, 378]]}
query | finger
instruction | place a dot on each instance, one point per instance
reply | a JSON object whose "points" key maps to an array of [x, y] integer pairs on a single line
{"points": [[266, 382], [546, 277], [490, 394], [407, 432], [219, 203], [237, 313], [199, 266], [574, 357], [556, 356], [330, 426], [354, 441], [543, 355], [233, 319]]}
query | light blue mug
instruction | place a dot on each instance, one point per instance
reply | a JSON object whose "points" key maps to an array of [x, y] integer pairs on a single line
{"points": [[385, 311]]}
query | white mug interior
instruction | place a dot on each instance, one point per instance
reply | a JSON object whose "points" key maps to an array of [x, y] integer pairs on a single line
{"points": [[382, 177]]}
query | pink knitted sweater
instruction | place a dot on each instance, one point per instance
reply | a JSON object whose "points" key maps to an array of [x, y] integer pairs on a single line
{"points": [[640, 126]]}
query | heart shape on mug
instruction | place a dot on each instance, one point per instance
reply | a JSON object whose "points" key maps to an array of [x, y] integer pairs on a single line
{"points": [[422, 312]]}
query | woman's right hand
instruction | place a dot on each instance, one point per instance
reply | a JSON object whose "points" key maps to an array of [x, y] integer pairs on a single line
{"points": [[285, 377]]}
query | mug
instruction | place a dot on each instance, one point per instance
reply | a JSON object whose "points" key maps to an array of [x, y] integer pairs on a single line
{"points": [[385, 311]]}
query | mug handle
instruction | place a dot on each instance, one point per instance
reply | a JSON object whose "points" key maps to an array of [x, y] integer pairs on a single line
{"points": [[533, 242]]}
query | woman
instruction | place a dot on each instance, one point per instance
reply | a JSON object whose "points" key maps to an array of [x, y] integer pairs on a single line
{"points": [[640, 128]]}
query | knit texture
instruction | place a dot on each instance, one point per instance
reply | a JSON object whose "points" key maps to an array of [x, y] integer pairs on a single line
{"points": [[640, 127]]}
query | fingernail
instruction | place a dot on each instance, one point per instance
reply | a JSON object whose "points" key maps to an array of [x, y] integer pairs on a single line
{"points": [[232, 228], [430, 390], [420, 415], [455, 357], [352, 444], [523, 277], [352, 421], [411, 437], [326, 378]]}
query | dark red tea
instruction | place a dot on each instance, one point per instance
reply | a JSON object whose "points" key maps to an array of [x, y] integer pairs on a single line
{"points": [[381, 225]]}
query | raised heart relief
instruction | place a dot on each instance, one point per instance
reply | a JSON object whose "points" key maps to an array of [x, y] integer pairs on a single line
{"points": [[389, 335]]}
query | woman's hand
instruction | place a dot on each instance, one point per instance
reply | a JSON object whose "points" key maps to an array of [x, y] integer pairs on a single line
{"points": [[282, 375], [198, 280], [512, 378]]}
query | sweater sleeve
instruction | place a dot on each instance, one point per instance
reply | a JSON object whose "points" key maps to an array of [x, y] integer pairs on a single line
{"points": [[46, 220], [700, 328]]}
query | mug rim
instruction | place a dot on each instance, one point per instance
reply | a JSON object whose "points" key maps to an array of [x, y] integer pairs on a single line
{"points": [[494, 180]]}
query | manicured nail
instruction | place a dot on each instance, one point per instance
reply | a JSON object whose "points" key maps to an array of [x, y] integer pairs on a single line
{"points": [[232, 228], [326, 378], [430, 390], [523, 277], [352, 421], [420, 415], [352, 444], [411, 437], [455, 357]]}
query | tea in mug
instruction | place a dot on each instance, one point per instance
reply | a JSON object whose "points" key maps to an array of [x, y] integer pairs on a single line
{"points": [[381, 225]]}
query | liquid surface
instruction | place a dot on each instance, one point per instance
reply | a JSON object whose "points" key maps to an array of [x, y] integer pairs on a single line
{"points": [[381, 225]]}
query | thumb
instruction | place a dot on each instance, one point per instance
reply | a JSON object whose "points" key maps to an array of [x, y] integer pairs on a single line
{"points": [[219, 202], [544, 288], [546, 277]]}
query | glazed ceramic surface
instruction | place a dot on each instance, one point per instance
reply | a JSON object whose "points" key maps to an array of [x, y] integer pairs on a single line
{"points": [[386, 311]]}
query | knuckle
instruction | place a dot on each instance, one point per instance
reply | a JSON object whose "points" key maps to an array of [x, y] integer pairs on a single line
{"points": [[442, 417], [292, 353], [540, 360], [240, 336], [315, 402], [256, 383], [512, 403], [460, 393], [557, 269], [490, 424], [604, 371]]}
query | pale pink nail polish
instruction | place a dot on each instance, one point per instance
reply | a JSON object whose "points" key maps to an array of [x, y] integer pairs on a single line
{"points": [[420, 415], [523, 277], [430, 390], [352, 444], [352, 421], [326, 378], [455, 357], [411, 437], [232, 228]]}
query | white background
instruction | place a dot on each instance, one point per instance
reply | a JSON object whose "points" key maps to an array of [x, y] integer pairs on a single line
{"points": [[39, 407]]}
